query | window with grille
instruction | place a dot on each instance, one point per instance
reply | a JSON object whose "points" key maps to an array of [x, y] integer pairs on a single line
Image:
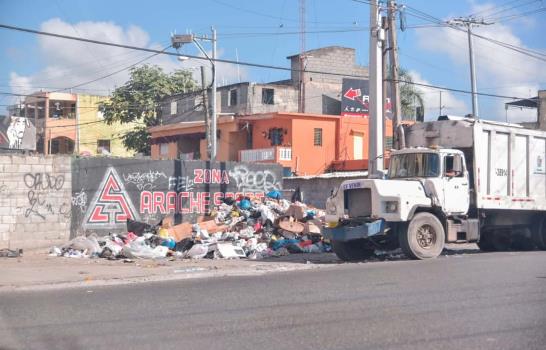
{"points": [[268, 96], [103, 145], [232, 97], [318, 137], [163, 149]]}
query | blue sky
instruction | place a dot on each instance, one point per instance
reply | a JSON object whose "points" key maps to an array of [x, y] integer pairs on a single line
{"points": [[263, 32]]}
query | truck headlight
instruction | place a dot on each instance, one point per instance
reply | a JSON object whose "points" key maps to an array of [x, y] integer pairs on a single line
{"points": [[391, 207]]}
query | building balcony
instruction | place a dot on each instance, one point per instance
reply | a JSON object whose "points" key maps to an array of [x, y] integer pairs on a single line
{"points": [[276, 154]]}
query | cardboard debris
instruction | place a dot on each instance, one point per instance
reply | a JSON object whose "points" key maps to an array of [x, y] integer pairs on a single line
{"points": [[211, 227], [179, 232], [291, 226], [312, 227]]}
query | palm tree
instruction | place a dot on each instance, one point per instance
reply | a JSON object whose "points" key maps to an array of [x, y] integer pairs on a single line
{"points": [[411, 98]]}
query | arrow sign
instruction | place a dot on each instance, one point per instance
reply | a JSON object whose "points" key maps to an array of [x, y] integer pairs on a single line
{"points": [[351, 94]]}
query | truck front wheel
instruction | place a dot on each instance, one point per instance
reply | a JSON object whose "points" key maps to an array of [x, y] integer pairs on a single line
{"points": [[354, 250], [424, 238]]}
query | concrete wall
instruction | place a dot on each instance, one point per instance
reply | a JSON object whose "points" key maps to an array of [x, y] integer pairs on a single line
{"points": [[35, 200], [315, 190], [44, 201], [107, 191]]}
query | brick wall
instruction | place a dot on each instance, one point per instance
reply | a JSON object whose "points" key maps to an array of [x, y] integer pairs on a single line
{"points": [[35, 200]]}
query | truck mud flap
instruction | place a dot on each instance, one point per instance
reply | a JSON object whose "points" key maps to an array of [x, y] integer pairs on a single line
{"points": [[354, 231]]}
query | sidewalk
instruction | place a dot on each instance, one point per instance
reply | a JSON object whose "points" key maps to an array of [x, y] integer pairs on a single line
{"points": [[37, 270]]}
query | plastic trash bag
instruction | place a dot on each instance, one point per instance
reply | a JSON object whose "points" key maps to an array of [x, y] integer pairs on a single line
{"points": [[198, 251], [140, 250]]}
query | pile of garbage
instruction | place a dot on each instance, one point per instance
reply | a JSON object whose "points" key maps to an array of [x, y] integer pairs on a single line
{"points": [[238, 228]]}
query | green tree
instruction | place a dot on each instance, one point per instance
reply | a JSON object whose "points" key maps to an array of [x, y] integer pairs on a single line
{"points": [[410, 96], [138, 101]]}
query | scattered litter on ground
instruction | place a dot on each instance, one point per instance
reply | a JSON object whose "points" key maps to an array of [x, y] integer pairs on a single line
{"points": [[248, 228], [190, 269], [11, 253]]}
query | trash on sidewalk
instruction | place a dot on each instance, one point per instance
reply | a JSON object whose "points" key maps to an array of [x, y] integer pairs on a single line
{"points": [[11, 253], [240, 227]]}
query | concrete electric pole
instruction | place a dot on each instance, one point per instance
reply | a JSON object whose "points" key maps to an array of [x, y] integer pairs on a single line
{"points": [[177, 41], [468, 23], [394, 66], [207, 112], [377, 35]]}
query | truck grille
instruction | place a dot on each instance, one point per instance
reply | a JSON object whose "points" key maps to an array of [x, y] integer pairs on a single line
{"points": [[358, 202]]}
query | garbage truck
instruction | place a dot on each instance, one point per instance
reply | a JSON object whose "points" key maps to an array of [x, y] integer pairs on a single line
{"points": [[457, 180]]}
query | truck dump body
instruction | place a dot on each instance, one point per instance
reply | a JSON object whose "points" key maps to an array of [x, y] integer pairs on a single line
{"points": [[506, 162]]}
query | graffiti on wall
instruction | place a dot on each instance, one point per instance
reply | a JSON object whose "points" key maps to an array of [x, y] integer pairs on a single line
{"points": [[144, 181], [149, 195], [111, 205], [79, 200], [17, 133], [41, 199], [254, 181]]}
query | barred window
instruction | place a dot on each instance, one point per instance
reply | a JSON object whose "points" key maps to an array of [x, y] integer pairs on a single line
{"points": [[318, 137]]}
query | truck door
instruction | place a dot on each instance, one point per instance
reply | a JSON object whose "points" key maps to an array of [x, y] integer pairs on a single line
{"points": [[455, 179]]}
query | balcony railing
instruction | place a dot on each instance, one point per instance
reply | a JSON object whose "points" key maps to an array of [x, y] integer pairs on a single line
{"points": [[273, 154]]}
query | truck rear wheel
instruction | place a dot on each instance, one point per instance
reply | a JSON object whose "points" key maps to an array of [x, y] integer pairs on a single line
{"points": [[424, 238], [539, 233], [354, 250]]}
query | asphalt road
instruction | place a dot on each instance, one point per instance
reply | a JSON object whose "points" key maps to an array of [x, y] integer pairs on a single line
{"points": [[478, 301]]}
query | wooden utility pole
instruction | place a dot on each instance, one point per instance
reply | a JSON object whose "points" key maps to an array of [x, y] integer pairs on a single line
{"points": [[384, 25], [394, 65]]}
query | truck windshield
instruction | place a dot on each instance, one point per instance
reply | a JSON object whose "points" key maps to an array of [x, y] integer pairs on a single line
{"points": [[414, 165]]}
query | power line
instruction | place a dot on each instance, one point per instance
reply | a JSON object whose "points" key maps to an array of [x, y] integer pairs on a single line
{"points": [[115, 72], [430, 18], [511, 17], [249, 64], [511, 8], [492, 9], [461, 91]]}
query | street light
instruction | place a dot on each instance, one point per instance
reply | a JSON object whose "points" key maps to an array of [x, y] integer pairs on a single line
{"points": [[177, 41]]}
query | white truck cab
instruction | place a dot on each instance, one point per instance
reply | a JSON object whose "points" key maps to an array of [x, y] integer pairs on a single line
{"points": [[417, 178]]}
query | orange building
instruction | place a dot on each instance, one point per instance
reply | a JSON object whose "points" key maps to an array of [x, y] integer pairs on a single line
{"points": [[304, 144]]}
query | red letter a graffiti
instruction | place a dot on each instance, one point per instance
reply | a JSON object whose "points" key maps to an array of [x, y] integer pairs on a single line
{"points": [[111, 205]]}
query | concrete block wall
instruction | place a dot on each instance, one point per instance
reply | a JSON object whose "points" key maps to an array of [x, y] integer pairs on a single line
{"points": [[315, 190], [35, 200], [341, 60]]}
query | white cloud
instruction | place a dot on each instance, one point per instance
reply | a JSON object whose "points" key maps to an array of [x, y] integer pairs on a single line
{"points": [[499, 70], [450, 104], [67, 63]]}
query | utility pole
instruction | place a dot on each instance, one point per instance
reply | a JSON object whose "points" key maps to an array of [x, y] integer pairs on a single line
{"points": [[207, 114], [468, 22], [394, 65], [301, 108], [375, 155], [440, 103], [384, 82], [214, 122], [177, 41]]}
